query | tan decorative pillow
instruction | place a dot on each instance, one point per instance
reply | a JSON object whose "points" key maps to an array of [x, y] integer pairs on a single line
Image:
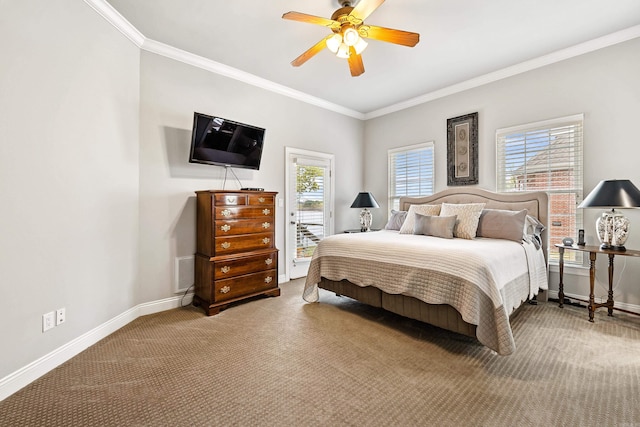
{"points": [[437, 226], [407, 226], [502, 224], [468, 216]]}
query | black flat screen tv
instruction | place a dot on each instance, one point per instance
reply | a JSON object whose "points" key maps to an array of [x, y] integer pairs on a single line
{"points": [[222, 142]]}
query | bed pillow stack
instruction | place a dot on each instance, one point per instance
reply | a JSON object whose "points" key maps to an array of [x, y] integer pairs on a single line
{"points": [[466, 221], [410, 220]]}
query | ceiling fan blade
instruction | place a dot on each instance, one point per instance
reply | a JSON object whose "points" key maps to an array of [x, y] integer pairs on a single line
{"points": [[311, 19], [365, 8], [311, 52], [389, 35], [355, 63]]}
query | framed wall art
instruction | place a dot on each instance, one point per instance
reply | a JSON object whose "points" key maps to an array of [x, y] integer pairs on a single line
{"points": [[462, 150]]}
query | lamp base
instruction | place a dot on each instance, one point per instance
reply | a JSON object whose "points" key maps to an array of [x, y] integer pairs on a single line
{"points": [[365, 220], [613, 248], [613, 230]]}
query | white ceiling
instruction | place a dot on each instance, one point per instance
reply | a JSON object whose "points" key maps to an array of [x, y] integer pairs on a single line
{"points": [[461, 41]]}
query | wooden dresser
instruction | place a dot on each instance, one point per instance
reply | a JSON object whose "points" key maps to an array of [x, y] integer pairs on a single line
{"points": [[236, 255]]}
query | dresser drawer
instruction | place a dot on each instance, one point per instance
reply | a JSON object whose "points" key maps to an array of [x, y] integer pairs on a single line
{"points": [[243, 226], [225, 269], [230, 199], [237, 212], [246, 242], [243, 285], [261, 199]]}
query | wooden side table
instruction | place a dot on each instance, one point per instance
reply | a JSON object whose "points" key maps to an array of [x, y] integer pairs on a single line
{"points": [[593, 252]]}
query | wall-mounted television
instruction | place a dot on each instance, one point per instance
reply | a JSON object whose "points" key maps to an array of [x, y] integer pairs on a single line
{"points": [[222, 142]]}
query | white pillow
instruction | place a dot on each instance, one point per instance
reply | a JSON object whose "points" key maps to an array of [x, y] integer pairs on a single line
{"points": [[409, 222], [396, 220], [468, 216]]}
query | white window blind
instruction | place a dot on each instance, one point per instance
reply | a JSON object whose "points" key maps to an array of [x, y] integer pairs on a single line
{"points": [[546, 156], [411, 172]]}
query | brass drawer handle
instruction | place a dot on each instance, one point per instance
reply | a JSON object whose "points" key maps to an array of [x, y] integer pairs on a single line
{"points": [[225, 213], [225, 289], [225, 269], [266, 211], [268, 261], [266, 225], [268, 279], [261, 199], [266, 240], [225, 228], [231, 200], [226, 245]]}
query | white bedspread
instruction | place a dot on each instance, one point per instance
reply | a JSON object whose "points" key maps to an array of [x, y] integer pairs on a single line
{"points": [[477, 277]]}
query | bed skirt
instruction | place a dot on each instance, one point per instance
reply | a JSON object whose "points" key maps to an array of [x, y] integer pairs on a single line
{"points": [[440, 315]]}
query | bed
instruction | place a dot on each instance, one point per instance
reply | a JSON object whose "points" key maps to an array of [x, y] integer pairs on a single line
{"points": [[466, 285]]}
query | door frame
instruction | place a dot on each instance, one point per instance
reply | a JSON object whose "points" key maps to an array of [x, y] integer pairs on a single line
{"points": [[291, 152]]}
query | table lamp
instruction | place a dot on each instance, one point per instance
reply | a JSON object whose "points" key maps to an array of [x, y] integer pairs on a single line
{"points": [[613, 227], [365, 200]]}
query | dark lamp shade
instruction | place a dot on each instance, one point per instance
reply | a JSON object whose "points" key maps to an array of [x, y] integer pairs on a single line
{"points": [[365, 200], [615, 193]]}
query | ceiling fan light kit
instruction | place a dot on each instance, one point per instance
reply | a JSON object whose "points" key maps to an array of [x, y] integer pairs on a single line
{"points": [[350, 36], [347, 25], [334, 42], [343, 51]]}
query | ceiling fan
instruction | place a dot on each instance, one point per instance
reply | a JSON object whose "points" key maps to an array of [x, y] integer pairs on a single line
{"points": [[348, 27]]}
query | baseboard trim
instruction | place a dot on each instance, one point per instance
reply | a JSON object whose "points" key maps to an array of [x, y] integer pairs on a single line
{"points": [[34, 370]]}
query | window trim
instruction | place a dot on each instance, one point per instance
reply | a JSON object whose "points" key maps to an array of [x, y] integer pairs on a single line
{"points": [[578, 189], [404, 149]]}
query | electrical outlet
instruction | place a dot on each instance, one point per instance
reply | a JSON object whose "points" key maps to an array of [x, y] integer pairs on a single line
{"points": [[48, 321], [61, 316]]}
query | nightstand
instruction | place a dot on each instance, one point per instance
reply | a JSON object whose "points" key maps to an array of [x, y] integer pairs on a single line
{"points": [[593, 252]]}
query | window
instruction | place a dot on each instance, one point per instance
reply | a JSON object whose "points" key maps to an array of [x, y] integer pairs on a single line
{"points": [[546, 156], [310, 208], [410, 172]]}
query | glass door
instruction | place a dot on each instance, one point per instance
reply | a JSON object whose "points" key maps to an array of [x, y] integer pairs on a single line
{"points": [[309, 198]]}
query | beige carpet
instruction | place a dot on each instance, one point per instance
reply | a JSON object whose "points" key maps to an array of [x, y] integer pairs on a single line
{"points": [[283, 362]]}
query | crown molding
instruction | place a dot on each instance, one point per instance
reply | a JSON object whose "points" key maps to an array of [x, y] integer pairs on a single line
{"points": [[557, 56], [112, 16], [168, 51], [125, 27]]}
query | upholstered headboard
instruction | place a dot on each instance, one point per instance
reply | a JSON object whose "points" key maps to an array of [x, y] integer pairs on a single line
{"points": [[536, 203]]}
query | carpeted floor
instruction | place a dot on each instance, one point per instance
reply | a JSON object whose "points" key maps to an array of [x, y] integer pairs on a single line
{"points": [[283, 362]]}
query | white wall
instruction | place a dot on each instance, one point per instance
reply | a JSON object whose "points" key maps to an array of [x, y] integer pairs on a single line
{"points": [[69, 104], [96, 193], [603, 85], [170, 92]]}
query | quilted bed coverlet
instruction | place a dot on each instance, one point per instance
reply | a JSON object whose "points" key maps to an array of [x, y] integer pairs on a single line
{"points": [[484, 279]]}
